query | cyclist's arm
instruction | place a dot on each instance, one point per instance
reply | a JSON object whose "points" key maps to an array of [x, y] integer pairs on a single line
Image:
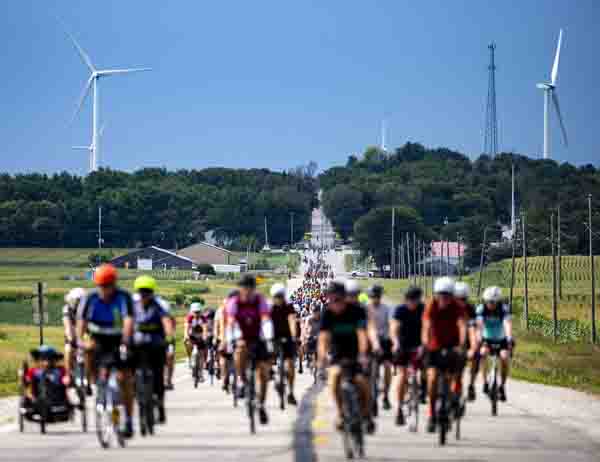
{"points": [[462, 331], [69, 328], [128, 325], [186, 330], [395, 326], [323, 350], [363, 341], [292, 323], [167, 324]]}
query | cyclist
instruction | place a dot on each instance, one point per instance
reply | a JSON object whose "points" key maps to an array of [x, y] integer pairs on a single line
{"points": [[495, 326], [219, 335], [286, 333], [194, 336], [170, 356], [379, 335], [344, 331], [461, 294], [353, 292], [310, 333], [152, 333], [107, 315], [250, 328], [72, 300], [444, 328], [405, 332]]}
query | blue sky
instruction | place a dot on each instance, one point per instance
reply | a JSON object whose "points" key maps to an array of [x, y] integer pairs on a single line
{"points": [[277, 84]]}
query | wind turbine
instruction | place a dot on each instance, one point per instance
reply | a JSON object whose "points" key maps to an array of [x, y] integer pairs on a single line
{"points": [[92, 83], [550, 92], [383, 135]]}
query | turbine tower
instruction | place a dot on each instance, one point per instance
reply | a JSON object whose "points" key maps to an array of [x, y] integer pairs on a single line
{"points": [[383, 133], [92, 83], [91, 148], [490, 145], [550, 92]]}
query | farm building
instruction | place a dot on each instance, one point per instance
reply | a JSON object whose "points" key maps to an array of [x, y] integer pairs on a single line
{"points": [[203, 252], [153, 258]]}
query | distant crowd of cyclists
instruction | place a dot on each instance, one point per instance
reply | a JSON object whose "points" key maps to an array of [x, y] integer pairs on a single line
{"points": [[326, 324]]}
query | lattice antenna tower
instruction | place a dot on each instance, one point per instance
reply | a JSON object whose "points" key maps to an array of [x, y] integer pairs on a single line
{"points": [[490, 146]]}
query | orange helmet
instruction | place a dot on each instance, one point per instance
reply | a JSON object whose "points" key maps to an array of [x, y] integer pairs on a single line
{"points": [[105, 275]]}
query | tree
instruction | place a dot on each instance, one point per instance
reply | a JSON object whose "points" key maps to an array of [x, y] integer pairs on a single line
{"points": [[343, 205]]}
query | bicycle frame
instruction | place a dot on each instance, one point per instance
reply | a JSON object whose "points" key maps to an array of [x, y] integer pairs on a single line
{"points": [[352, 423], [109, 409]]}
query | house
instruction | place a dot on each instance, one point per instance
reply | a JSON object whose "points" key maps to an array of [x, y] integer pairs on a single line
{"points": [[153, 258], [205, 253]]}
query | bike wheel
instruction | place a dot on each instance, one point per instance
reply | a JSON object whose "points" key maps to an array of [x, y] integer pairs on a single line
{"points": [[234, 387], [196, 370], [413, 407], [83, 416], [103, 425], [251, 404]]}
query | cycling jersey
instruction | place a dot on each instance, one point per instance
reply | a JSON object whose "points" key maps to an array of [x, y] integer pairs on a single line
{"points": [[493, 321], [195, 325], [381, 316], [444, 324], [69, 313], [248, 315], [105, 319], [342, 327], [281, 325], [410, 326], [148, 321]]}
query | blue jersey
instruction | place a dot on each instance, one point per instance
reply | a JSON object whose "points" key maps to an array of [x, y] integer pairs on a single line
{"points": [[148, 321], [493, 321], [106, 318]]}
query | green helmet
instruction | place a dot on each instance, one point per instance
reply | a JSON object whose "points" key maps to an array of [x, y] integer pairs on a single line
{"points": [[363, 298], [145, 283]]}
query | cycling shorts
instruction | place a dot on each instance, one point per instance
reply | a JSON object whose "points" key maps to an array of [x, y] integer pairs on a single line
{"points": [[404, 358], [495, 345], [289, 348], [451, 361]]}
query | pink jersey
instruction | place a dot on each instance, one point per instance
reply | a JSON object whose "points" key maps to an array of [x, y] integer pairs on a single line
{"points": [[248, 315]]}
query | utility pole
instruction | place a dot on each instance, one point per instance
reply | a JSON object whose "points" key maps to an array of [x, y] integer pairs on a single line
{"points": [[491, 122], [408, 274], [481, 262], [99, 227], [554, 304], [291, 230], [593, 268], [558, 230], [431, 266], [525, 269], [393, 259], [415, 257], [512, 267]]}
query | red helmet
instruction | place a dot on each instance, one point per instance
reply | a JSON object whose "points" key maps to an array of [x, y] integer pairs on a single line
{"points": [[105, 275]]}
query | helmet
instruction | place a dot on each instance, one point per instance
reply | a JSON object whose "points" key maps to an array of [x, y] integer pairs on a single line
{"points": [[461, 290], [278, 290], [413, 293], [196, 307], [248, 281], [352, 287], [74, 295], [375, 291], [363, 298], [492, 294], [105, 275], [336, 287], [145, 283], [444, 285]]}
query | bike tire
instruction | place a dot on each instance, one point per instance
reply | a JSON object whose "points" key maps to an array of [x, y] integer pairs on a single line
{"points": [[83, 416], [234, 388], [196, 370], [101, 420], [281, 367]]}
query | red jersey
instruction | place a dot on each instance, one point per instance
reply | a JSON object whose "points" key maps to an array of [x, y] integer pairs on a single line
{"points": [[443, 324], [195, 325]]}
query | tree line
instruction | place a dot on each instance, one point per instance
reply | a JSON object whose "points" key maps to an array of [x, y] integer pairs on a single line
{"points": [[442, 194], [154, 206]]}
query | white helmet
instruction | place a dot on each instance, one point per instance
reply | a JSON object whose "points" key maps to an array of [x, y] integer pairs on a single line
{"points": [[462, 290], [74, 296], [492, 294], [278, 290], [196, 307], [352, 287], [444, 285]]}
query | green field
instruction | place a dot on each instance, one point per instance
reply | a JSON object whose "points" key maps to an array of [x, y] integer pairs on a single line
{"points": [[43, 256]]}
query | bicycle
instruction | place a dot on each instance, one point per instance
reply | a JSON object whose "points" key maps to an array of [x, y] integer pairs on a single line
{"points": [[144, 387], [211, 368], [250, 385], [352, 429], [196, 370], [374, 384], [493, 378], [414, 394], [281, 372], [110, 410], [445, 411], [81, 387]]}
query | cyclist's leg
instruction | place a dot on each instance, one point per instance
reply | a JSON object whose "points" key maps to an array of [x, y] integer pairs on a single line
{"points": [[289, 355], [170, 364], [483, 355], [335, 378], [262, 379], [188, 348], [240, 357], [432, 377], [364, 391], [504, 364]]}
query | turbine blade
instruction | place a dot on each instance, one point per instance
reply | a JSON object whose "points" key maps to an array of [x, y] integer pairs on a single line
{"points": [[84, 93], [556, 59], [560, 119], [84, 56], [101, 130], [83, 148], [123, 71]]}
